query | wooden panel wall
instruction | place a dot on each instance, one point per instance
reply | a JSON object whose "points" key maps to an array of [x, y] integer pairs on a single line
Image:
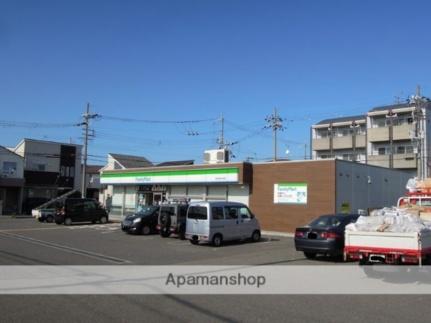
{"points": [[320, 177]]}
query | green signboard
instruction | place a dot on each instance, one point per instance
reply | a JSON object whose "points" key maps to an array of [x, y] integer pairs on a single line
{"points": [[290, 193]]}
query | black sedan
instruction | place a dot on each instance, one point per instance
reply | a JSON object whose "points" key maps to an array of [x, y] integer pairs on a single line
{"points": [[324, 235], [142, 222]]}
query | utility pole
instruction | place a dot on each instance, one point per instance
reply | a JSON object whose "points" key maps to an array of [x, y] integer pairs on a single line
{"points": [[275, 123], [391, 115], [86, 120], [354, 126], [422, 153], [221, 142]]}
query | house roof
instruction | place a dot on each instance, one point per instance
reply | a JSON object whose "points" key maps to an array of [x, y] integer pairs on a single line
{"points": [[398, 106], [47, 142], [129, 161], [4, 149], [342, 119], [392, 107], [177, 163]]}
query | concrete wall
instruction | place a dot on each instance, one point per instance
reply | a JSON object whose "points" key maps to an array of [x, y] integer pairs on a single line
{"points": [[359, 186]]}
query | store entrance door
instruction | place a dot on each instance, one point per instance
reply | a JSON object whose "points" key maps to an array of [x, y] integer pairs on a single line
{"points": [[157, 198]]}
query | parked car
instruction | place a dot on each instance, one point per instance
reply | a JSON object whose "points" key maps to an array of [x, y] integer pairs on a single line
{"points": [[172, 219], [142, 222], [81, 210], [216, 222], [324, 235]]}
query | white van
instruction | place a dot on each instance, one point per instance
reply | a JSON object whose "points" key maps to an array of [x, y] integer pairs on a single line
{"points": [[216, 222]]}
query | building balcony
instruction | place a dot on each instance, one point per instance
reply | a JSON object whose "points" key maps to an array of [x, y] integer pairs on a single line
{"points": [[321, 144], [378, 134], [401, 161], [344, 142], [403, 132], [379, 160], [405, 161]]}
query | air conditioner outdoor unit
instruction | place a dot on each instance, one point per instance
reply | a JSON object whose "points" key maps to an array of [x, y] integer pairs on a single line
{"points": [[216, 156]]}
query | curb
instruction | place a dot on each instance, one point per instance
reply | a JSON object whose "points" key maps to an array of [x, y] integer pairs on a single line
{"points": [[278, 234]]}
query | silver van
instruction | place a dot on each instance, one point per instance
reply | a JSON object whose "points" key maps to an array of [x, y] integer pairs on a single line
{"points": [[216, 222]]}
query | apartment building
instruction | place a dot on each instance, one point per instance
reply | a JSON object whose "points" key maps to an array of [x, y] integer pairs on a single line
{"points": [[341, 138], [393, 136]]}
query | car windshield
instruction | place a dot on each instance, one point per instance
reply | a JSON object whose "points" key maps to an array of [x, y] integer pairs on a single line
{"points": [[326, 221], [197, 212], [146, 210]]}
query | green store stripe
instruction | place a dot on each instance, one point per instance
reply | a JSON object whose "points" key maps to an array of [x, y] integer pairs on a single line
{"points": [[213, 171], [293, 184]]}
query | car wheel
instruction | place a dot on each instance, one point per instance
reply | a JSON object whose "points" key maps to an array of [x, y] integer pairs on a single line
{"points": [[255, 237], [67, 221], [217, 240], [146, 230], [49, 219], [194, 242], [165, 232], [103, 220], [310, 255]]}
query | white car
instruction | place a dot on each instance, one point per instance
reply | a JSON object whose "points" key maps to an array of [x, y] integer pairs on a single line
{"points": [[215, 222]]}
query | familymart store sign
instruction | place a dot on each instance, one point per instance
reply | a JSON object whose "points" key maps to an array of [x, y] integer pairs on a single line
{"points": [[213, 175]]}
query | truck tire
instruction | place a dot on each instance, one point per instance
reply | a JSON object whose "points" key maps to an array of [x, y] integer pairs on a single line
{"points": [[165, 225], [49, 219]]}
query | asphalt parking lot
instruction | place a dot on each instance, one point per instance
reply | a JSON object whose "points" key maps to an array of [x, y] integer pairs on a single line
{"points": [[28, 242]]}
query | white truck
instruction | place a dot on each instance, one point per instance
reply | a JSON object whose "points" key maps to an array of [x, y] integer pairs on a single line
{"points": [[46, 212], [388, 247]]}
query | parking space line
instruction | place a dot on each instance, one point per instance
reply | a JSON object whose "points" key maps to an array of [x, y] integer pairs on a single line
{"points": [[33, 229], [64, 248]]}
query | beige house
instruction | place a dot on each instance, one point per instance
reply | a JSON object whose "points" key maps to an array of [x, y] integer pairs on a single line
{"points": [[393, 136]]}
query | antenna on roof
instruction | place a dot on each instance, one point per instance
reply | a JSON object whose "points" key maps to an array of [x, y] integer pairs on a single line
{"points": [[418, 91]]}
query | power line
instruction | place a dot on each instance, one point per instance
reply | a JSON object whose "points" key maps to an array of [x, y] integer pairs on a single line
{"points": [[22, 124], [156, 121]]}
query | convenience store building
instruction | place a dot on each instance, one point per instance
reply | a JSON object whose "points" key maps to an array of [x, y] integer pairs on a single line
{"points": [[283, 194]]}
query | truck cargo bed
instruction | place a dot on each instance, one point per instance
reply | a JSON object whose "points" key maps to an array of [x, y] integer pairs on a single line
{"points": [[388, 247]]}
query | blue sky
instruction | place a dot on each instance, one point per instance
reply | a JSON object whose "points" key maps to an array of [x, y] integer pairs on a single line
{"points": [[188, 60]]}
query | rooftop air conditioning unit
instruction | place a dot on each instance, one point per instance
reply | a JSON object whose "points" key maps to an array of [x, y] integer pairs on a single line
{"points": [[216, 156]]}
